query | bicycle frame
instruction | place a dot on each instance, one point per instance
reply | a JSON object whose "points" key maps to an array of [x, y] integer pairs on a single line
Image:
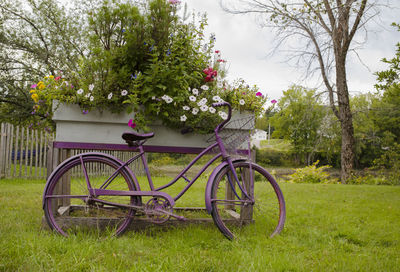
{"points": [[154, 192]]}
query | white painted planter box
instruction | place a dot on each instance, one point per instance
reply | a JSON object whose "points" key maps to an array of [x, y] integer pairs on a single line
{"points": [[106, 128]]}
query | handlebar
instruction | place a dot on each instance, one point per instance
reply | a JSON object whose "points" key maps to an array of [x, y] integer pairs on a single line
{"points": [[221, 104]]}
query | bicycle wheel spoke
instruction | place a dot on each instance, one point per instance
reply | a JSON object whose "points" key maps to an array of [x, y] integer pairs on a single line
{"points": [[265, 211], [69, 207]]}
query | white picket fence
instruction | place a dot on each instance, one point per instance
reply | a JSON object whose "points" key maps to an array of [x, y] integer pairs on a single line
{"points": [[28, 153]]}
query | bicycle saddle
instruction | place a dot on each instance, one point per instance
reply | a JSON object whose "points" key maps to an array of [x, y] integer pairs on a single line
{"points": [[131, 136]]}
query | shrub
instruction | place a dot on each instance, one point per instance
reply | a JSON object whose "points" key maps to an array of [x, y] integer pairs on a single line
{"points": [[310, 174]]}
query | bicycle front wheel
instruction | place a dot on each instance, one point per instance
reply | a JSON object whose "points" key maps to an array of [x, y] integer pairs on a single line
{"points": [[234, 214], [68, 206]]}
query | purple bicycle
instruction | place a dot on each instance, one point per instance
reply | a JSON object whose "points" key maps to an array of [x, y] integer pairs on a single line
{"points": [[96, 191]]}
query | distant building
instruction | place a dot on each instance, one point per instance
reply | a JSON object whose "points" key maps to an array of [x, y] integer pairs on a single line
{"points": [[258, 136]]}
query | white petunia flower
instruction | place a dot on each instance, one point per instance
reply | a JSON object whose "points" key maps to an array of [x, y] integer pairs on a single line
{"points": [[202, 102], [80, 91], [204, 108], [211, 110], [91, 87], [88, 95], [192, 98], [223, 115], [216, 98], [195, 92], [183, 118], [167, 99], [220, 85], [91, 98], [186, 108], [205, 87], [124, 92], [195, 111], [241, 102], [110, 95]]}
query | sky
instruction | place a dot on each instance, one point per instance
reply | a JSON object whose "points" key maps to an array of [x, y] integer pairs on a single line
{"points": [[246, 47]]}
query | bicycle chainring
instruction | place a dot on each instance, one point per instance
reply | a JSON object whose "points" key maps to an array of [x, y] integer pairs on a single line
{"points": [[158, 210]]}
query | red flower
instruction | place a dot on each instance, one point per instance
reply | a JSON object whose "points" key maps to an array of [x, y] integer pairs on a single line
{"points": [[258, 94], [273, 101], [131, 124], [217, 51], [211, 74], [57, 78]]}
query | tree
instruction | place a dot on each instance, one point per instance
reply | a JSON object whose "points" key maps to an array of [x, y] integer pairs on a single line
{"points": [[299, 120], [36, 37], [324, 32]]}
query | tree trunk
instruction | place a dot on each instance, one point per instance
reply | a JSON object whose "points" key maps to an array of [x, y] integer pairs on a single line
{"points": [[346, 120]]}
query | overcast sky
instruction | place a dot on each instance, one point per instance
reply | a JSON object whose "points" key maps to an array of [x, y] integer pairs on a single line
{"points": [[246, 46]]}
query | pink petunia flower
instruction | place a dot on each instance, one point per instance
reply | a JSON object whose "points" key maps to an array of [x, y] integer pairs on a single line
{"points": [[258, 94], [274, 101], [131, 124], [57, 78], [33, 86]]}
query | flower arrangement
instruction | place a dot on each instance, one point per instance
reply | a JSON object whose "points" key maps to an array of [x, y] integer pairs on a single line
{"points": [[174, 75]]}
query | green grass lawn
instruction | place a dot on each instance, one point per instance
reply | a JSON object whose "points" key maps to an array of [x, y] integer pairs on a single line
{"points": [[329, 228]]}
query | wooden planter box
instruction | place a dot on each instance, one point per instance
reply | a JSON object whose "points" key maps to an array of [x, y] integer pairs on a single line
{"points": [[103, 127]]}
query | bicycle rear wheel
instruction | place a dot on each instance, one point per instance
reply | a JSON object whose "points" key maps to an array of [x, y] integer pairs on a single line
{"points": [[234, 215], [68, 206]]}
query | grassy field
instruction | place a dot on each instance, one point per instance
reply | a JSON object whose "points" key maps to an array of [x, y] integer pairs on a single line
{"points": [[329, 228]]}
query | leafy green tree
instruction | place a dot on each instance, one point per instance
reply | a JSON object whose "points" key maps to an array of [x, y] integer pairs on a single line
{"points": [[324, 32], [36, 37], [299, 120]]}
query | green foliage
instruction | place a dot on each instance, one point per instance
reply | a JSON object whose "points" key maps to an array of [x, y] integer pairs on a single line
{"points": [[310, 174], [36, 38], [145, 59], [299, 120]]}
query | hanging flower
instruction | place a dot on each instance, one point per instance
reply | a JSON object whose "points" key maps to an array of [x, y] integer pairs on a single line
{"points": [[80, 91], [195, 111], [33, 86], [211, 110], [241, 102], [91, 87], [210, 74], [57, 78], [91, 98], [186, 108], [183, 118], [220, 85], [192, 98], [204, 108], [124, 92], [167, 99], [195, 92], [216, 98], [202, 102], [88, 95], [131, 124], [35, 97], [223, 115], [274, 101], [110, 95], [258, 94], [205, 87]]}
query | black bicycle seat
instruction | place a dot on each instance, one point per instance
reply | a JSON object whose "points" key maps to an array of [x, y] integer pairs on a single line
{"points": [[132, 136]]}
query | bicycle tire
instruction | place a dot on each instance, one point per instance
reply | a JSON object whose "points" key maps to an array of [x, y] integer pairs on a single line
{"points": [[235, 218], [68, 208]]}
